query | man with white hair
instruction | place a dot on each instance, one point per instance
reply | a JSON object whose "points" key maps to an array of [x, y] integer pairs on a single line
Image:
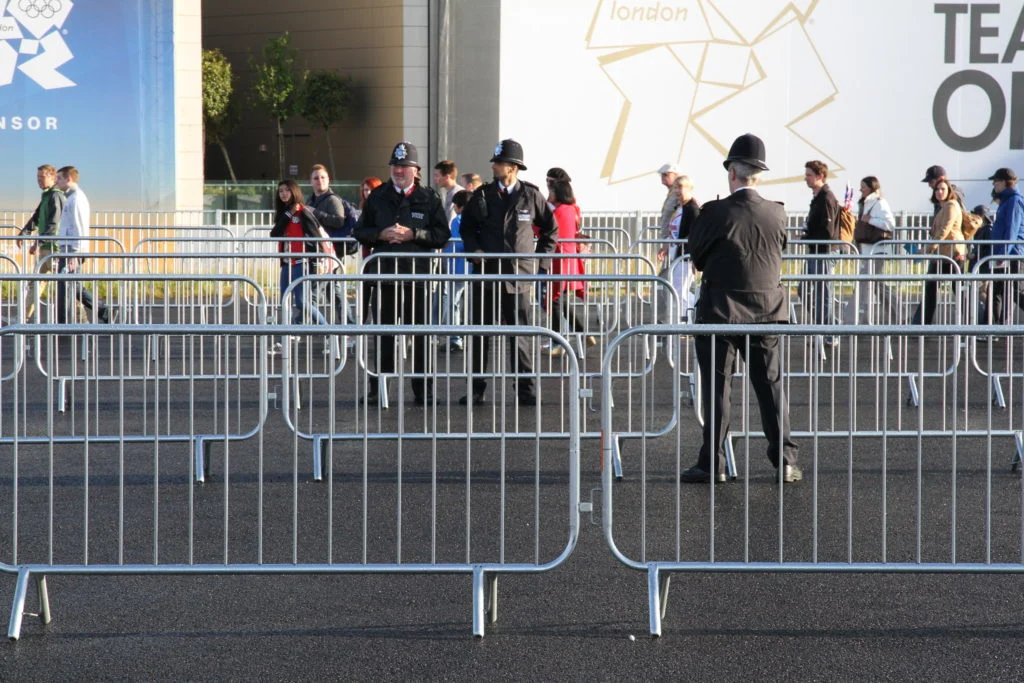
{"points": [[737, 243], [681, 275]]}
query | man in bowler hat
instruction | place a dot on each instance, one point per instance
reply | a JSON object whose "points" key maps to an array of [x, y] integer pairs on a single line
{"points": [[737, 242], [400, 218], [500, 219]]}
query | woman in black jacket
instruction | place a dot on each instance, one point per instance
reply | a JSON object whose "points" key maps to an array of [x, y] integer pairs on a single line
{"points": [[295, 222]]}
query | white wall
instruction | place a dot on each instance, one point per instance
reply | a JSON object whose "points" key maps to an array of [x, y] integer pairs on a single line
{"points": [[610, 97], [188, 104]]}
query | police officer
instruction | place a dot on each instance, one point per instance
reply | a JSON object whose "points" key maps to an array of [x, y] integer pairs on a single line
{"points": [[500, 219], [401, 217], [737, 242]]}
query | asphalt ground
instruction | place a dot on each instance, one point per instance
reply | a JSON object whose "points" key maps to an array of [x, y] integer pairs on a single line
{"points": [[585, 619]]}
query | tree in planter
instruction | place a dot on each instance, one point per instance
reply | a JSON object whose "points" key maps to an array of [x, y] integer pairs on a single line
{"points": [[326, 98], [220, 112], [275, 88]]}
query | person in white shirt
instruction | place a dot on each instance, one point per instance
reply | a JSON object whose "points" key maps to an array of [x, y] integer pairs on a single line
{"points": [[445, 173], [74, 224]]}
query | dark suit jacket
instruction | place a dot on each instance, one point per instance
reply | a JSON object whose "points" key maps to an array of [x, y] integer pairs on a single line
{"points": [[421, 211], [737, 242], [499, 226]]}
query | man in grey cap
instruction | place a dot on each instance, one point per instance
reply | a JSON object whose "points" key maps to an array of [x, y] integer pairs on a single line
{"points": [[932, 175], [500, 219], [737, 242], [668, 173]]}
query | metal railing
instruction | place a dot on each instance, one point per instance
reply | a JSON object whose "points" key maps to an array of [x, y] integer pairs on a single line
{"points": [[98, 507], [875, 473]]}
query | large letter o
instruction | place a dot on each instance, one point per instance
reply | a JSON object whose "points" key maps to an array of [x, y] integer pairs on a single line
{"points": [[940, 110]]}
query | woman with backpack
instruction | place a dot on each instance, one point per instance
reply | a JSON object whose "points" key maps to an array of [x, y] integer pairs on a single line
{"points": [[295, 222], [947, 225], [875, 223]]}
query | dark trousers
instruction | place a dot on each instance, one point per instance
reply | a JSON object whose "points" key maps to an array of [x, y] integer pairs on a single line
{"points": [[931, 292], [764, 370], [1004, 293], [402, 303], [78, 291], [818, 294], [574, 309], [492, 304]]}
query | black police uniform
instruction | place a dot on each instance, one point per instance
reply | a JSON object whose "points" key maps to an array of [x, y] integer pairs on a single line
{"points": [[421, 210], [737, 243], [501, 222]]}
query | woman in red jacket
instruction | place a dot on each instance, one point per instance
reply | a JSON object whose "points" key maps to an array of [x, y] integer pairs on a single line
{"points": [[573, 308], [294, 221]]}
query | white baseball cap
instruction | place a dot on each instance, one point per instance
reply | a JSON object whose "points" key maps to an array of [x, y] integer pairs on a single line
{"points": [[669, 168]]}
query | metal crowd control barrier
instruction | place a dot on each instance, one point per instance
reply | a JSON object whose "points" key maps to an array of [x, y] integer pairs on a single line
{"points": [[118, 217], [895, 297], [450, 355], [9, 295], [452, 502], [618, 238], [998, 299], [17, 247], [907, 360], [868, 473], [239, 220], [612, 299], [633, 222], [112, 362], [262, 268]]}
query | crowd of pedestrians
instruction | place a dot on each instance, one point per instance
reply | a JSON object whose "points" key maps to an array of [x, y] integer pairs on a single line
{"points": [[61, 221], [509, 227]]}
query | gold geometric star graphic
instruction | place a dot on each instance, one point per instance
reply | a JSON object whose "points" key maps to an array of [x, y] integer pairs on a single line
{"points": [[688, 70]]}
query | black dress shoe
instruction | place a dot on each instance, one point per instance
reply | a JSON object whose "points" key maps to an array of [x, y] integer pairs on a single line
{"points": [[527, 399], [423, 399], [478, 400], [699, 475]]}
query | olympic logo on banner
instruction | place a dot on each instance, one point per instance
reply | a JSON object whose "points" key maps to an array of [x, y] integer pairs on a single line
{"points": [[32, 42], [46, 9]]}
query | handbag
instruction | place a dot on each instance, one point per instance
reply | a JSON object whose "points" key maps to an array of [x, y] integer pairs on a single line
{"points": [[583, 247], [869, 234], [325, 262]]}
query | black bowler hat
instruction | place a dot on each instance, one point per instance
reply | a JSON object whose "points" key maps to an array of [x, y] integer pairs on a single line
{"points": [[405, 154], [510, 152], [933, 173], [1004, 174], [749, 149]]}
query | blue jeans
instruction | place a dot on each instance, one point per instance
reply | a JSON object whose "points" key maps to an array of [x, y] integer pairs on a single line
{"points": [[818, 294], [290, 273], [452, 298]]}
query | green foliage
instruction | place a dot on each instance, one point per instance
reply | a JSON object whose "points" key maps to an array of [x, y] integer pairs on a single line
{"points": [[218, 87], [275, 88], [326, 98], [220, 106]]}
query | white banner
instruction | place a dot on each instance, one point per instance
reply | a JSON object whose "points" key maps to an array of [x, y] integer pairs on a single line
{"points": [[612, 89]]}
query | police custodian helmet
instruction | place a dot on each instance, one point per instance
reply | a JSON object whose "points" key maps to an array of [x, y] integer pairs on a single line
{"points": [[749, 149], [510, 152], [405, 154]]}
